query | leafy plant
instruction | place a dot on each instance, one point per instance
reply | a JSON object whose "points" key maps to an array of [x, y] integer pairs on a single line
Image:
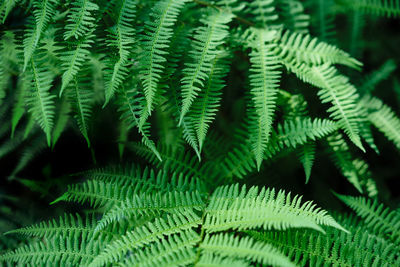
{"points": [[217, 96]]}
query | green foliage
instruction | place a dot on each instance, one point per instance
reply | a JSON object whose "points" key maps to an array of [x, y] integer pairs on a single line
{"points": [[224, 100]]}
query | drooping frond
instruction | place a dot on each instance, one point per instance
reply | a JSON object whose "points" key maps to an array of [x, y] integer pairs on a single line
{"points": [[306, 154], [143, 236], [81, 99], [43, 12], [5, 7], [158, 33], [384, 119], [80, 18], [355, 170], [204, 50], [337, 90], [379, 75], [74, 59], [40, 100], [232, 207], [245, 248], [379, 219], [387, 8], [264, 82], [294, 16], [206, 105], [264, 12], [121, 37], [131, 105]]}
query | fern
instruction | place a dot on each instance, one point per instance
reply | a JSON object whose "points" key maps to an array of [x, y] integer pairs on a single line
{"points": [[43, 12], [156, 39], [80, 18], [204, 50], [39, 99]]}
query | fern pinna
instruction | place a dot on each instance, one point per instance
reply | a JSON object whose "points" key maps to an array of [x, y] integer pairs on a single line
{"points": [[224, 100]]}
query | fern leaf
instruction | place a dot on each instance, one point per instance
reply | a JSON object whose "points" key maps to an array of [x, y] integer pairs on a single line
{"points": [[74, 59], [307, 156], [81, 101], [205, 107], [307, 50], [264, 12], [335, 248], [245, 248], [5, 9], [387, 8], [40, 101], [337, 90], [385, 120], [162, 253], [380, 219], [204, 50], [212, 260], [156, 38], [141, 205], [43, 12], [264, 82], [122, 38], [131, 104], [80, 18], [60, 122], [59, 251], [66, 225], [145, 235], [233, 208]]}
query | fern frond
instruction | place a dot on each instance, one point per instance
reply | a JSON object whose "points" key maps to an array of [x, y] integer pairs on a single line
{"points": [[245, 248], [379, 75], [58, 250], [355, 170], [205, 107], [386, 8], [212, 260], [204, 50], [264, 12], [164, 252], [343, 96], [306, 154], [158, 33], [176, 160], [147, 205], [380, 219], [122, 38], [72, 60], [80, 19], [39, 99], [335, 248], [43, 12], [293, 16], [64, 226], [233, 208], [61, 121], [385, 120], [131, 104], [80, 98], [305, 49], [5, 9], [143, 236], [264, 82]]}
